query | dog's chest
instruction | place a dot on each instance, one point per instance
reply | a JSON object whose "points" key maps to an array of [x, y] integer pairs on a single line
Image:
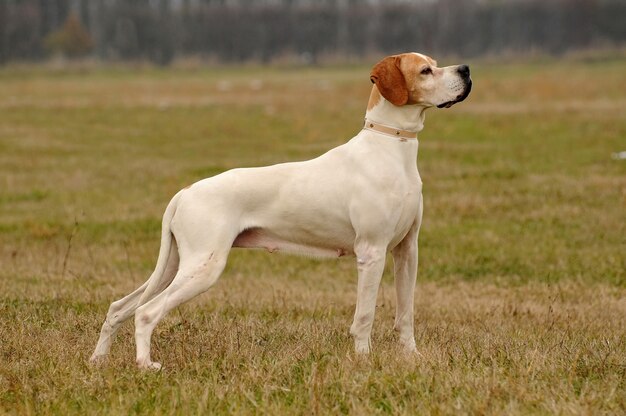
{"points": [[407, 209], [388, 197]]}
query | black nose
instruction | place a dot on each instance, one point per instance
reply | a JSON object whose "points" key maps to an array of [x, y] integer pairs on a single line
{"points": [[464, 71]]}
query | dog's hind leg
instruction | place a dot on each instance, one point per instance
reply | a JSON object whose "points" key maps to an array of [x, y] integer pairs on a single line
{"points": [[195, 275], [119, 311], [122, 309], [164, 272]]}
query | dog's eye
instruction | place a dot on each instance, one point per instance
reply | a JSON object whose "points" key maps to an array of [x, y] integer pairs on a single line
{"points": [[427, 70]]}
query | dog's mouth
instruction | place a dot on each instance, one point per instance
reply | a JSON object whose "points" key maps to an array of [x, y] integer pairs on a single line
{"points": [[459, 98]]}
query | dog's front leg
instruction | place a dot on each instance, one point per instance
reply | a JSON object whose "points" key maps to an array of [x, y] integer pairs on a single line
{"points": [[370, 265], [405, 275]]}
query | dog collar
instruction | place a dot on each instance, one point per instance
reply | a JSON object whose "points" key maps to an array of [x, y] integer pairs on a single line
{"points": [[403, 135]]}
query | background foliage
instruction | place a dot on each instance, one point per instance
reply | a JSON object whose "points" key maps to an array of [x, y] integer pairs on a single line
{"points": [[264, 30]]}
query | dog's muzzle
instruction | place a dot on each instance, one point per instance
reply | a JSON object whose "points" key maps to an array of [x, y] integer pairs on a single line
{"points": [[464, 74]]}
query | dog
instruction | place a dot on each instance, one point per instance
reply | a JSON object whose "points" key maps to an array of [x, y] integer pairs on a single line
{"points": [[362, 199]]}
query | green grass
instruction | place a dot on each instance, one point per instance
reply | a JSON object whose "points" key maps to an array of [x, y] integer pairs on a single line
{"points": [[521, 292]]}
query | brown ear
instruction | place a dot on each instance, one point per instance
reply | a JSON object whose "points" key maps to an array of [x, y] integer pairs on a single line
{"points": [[390, 82]]}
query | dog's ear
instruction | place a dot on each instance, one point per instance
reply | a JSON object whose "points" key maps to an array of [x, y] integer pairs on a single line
{"points": [[390, 82]]}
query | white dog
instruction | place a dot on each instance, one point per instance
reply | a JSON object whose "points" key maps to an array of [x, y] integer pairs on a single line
{"points": [[363, 198]]}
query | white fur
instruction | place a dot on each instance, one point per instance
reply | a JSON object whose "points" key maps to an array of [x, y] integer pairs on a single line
{"points": [[362, 198]]}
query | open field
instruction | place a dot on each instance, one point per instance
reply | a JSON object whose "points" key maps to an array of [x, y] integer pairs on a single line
{"points": [[521, 299]]}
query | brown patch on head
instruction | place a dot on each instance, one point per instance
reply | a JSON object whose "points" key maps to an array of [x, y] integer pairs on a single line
{"points": [[389, 79], [398, 78], [411, 66]]}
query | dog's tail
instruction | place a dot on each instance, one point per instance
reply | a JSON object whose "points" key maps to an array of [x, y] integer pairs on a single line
{"points": [[156, 280]]}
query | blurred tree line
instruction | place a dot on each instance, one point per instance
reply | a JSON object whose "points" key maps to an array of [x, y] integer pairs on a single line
{"points": [[237, 30]]}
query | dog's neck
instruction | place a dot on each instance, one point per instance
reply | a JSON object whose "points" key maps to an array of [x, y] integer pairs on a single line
{"points": [[406, 117]]}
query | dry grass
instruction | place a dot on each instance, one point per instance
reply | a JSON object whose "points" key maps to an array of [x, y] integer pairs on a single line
{"points": [[521, 296]]}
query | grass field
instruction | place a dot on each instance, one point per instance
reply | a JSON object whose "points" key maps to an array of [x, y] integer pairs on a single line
{"points": [[521, 299]]}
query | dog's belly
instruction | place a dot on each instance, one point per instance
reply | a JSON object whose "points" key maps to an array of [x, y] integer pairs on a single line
{"points": [[257, 237]]}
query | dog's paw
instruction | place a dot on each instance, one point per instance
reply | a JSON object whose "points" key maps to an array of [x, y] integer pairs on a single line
{"points": [[149, 365], [97, 359], [408, 346], [362, 347], [154, 366]]}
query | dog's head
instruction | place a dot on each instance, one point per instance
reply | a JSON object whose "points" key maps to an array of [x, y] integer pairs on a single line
{"points": [[413, 78]]}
